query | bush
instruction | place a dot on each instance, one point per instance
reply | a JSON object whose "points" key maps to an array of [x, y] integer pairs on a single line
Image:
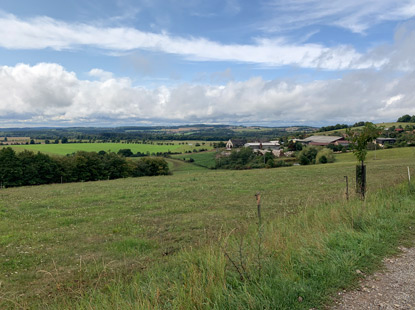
{"points": [[308, 155], [125, 152], [325, 156], [149, 167], [239, 159]]}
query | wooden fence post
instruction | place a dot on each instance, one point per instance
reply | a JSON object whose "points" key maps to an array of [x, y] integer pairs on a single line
{"points": [[258, 203], [347, 187]]}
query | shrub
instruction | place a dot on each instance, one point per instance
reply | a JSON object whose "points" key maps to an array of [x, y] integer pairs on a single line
{"points": [[325, 156], [308, 155]]}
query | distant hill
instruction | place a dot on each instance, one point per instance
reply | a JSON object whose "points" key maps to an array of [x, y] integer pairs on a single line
{"points": [[186, 132], [337, 132]]}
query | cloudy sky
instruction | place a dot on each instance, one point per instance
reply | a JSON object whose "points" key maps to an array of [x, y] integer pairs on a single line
{"points": [[152, 62]]}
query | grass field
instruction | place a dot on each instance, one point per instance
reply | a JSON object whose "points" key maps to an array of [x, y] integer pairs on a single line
{"points": [[120, 244], [69, 148], [204, 159], [179, 166]]}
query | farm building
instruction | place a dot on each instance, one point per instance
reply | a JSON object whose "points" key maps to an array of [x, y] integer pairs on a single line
{"points": [[382, 141], [272, 145], [235, 143], [324, 140]]}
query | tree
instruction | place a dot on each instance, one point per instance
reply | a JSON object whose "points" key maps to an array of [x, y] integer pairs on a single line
{"points": [[358, 142], [64, 140], [308, 155], [149, 167], [360, 139], [115, 166], [10, 168], [125, 152], [404, 119], [297, 146], [324, 156], [358, 124]]}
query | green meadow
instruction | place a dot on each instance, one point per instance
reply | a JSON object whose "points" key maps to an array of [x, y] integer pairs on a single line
{"points": [[192, 241], [69, 148], [203, 159]]}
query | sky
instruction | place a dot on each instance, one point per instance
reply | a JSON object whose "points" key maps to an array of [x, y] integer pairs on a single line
{"points": [[172, 62]]}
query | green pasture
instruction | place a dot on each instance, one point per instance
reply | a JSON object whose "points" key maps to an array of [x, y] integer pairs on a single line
{"points": [[180, 166], [204, 159], [159, 242], [69, 148]]}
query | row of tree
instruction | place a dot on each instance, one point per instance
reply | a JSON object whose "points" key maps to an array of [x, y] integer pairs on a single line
{"points": [[342, 126], [28, 168], [245, 158]]}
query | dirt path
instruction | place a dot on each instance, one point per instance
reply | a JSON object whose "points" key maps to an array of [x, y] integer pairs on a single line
{"points": [[392, 288]]}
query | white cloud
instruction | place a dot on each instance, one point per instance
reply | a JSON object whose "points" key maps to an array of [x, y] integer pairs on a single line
{"points": [[47, 94], [45, 32], [101, 74], [354, 15]]}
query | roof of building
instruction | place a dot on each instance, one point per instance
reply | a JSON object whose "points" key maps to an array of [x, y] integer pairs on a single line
{"points": [[264, 144], [238, 142], [321, 139], [386, 139]]}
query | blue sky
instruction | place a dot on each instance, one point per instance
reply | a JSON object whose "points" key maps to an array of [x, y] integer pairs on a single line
{"points": [[152, 62]]}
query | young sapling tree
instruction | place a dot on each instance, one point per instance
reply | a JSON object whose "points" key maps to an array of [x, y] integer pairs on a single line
{"points": [[358, 142]]}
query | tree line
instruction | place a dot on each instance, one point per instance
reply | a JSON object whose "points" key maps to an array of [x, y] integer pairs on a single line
{"points": [[341, 126], [245, 158], [28, 168], [406, 119]]}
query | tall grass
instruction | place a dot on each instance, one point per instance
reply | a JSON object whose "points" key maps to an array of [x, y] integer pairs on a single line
{"points": [[305, 259]]}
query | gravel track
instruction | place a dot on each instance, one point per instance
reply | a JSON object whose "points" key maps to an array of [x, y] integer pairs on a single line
{"points": [[391, 288]]}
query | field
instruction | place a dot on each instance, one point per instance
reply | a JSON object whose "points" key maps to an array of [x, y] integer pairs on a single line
{"points": [[179, 166], [204, 159], [84, 245], [68, 148]]}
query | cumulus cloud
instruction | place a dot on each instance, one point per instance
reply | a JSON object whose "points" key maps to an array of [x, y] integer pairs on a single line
{"points": [[46, 93], [101, 74], [354, 15], [45, 32]]}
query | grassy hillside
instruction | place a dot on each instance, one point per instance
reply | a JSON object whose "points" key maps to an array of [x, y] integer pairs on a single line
{"points": [[108, 242], [180, 166], [69, 148], [204, 159], [342, 131]]}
